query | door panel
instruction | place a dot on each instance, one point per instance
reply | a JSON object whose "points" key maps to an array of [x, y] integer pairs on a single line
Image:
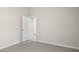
{"points": [[33, 19], [28, 28], [25, 28]]}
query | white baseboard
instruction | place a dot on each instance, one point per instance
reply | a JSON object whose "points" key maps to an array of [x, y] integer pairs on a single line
{"points": [[62, 45], [9, 45]]}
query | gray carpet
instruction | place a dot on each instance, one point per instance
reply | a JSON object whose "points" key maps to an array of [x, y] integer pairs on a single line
{"points": [[32, 46]]}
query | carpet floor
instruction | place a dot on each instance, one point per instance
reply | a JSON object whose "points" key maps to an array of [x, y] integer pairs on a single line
{"points": [[33, 46]]}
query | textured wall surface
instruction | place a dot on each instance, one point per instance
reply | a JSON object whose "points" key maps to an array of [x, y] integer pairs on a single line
{"points": [[57, 25], [10, 25]]}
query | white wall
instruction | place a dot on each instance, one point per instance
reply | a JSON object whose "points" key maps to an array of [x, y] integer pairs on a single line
{"points": [[10, 25], [57, 25], [54, 25]]}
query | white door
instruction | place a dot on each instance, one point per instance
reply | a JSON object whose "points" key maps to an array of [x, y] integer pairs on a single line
{"points": [[33, 24], [25, 28], [28, 28]]}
